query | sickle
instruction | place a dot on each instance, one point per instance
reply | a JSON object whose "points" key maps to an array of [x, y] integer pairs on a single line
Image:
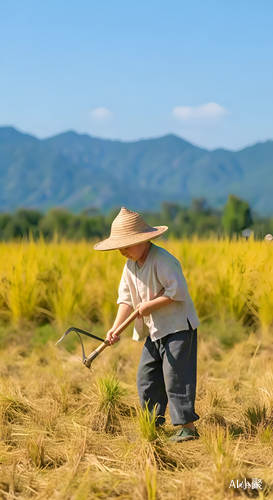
{"points": [[87, 360], [78, 331]]}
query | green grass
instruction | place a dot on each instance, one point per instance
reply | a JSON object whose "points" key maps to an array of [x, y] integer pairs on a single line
{"points": [[110, 392], [147, 423]]}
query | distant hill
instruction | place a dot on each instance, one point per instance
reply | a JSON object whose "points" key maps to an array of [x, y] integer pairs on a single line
{"points": [[79, 171]]}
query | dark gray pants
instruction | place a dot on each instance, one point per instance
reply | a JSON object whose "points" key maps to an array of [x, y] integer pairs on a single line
{"points": [[167, 374]]}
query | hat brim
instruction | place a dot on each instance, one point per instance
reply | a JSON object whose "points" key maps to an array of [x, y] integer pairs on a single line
{"points": [[130, 240]]}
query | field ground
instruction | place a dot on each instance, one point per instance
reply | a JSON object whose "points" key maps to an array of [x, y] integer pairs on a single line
{"points": [[71, 433]]}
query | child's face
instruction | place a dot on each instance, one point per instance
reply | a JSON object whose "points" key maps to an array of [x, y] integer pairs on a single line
{"points": [[135, 252]]}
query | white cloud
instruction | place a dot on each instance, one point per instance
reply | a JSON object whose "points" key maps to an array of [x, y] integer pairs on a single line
{"points": [[208, 111], [101, 113]]}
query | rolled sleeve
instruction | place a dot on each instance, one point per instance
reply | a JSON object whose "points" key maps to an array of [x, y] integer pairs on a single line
{"points": [[124, 295], [172, 279]]}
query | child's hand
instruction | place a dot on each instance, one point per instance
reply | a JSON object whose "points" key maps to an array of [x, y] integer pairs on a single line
{"points": [[112, 337], [144, 308]]}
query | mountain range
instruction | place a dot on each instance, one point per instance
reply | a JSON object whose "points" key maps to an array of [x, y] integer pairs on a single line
{"points": [[77, 171]]}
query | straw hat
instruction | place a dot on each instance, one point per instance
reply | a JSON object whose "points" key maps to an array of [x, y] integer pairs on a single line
{"points": [[129, 228]]}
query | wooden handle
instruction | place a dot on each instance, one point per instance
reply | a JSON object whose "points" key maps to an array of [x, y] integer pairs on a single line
{"points": [[101, 347], [95, 353], [125, 323], [133, 316]]}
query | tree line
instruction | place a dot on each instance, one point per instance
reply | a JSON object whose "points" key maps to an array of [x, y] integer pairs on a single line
{"points": [[197, 219]]}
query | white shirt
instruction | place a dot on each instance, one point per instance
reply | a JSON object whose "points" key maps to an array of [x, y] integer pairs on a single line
{"points": [[140, 284]]}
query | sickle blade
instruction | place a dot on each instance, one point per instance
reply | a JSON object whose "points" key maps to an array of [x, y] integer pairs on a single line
{"points": [[72, 329], [64, 335], [83, 351], [79, 330]]}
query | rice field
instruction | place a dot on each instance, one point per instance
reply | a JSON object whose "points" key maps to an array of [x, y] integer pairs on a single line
{"points": [[71, 433]]}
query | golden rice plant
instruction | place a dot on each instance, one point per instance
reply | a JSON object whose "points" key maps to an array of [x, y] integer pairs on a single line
{"points": [[150, 489], [63, 281], [224, 453], [266, 436]]}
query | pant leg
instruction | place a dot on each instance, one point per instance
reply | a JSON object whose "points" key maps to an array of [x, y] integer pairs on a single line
{"points": [[150, 380], [179, 369]]}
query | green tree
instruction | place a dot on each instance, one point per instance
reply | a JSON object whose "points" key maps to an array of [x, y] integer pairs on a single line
{"points": [[4, 221], [236, 216], [199, 205], [169, 211], [22, 223], [81, 226], [57, 220]]}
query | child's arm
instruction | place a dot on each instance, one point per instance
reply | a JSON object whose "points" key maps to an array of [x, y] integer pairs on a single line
{"points": [[148, 307], [124, 310]]}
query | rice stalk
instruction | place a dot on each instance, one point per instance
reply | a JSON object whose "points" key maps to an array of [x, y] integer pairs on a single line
{"points": [[147, 423], [109, 406]]}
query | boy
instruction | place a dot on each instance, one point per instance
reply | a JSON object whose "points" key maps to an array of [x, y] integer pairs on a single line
{"points": [[152, 281]]}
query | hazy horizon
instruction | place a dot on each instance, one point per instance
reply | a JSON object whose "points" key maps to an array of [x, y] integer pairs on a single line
{"points": [[134, 140]]}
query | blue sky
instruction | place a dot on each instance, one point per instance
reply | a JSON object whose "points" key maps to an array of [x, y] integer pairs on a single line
{"points": [[127, 70]]}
